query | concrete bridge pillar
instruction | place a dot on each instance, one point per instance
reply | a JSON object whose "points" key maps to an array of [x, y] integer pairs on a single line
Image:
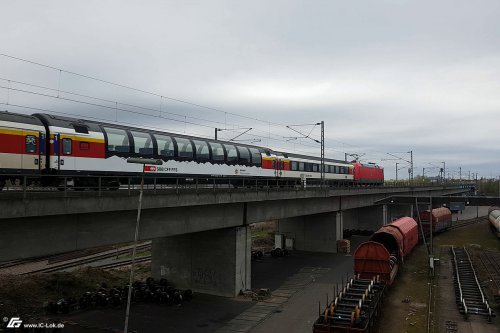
{"points": [[315, 233], [216, 262]]}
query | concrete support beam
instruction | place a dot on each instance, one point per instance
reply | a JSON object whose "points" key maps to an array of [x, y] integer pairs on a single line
{"points": [[366, 218], [216, 262], [315, 233], [397, 211]]}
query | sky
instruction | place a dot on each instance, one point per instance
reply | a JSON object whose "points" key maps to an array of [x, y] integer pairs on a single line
{"points": [[386, 77]]}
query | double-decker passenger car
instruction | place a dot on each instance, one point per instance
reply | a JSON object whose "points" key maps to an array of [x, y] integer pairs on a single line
{"points": [[76, 149]]}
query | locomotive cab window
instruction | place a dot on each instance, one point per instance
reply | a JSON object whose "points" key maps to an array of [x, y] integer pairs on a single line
{"points": [[165, 145], [232, 154], [142, 143], [184, 148], [256, 156], [202, 150], [67, 146], [117, 140], [31, 143], [217, 152]]}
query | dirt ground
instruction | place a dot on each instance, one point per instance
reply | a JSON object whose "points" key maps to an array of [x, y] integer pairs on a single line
{"points": [[26, 295]]}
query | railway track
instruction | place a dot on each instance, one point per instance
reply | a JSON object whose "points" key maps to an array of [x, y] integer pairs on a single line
{"points": [[469, 295], [63, 261], [491, 263], [125, 262], [461, 224], [86, 260]]}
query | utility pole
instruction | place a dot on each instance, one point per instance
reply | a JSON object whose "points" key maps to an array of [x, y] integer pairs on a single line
{"points": [[411, 162], [460, 172], [322, 153], [444, 170], [397, 171]]}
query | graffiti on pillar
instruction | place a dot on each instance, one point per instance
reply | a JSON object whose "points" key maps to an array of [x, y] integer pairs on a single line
{"points": [[204, 276]]}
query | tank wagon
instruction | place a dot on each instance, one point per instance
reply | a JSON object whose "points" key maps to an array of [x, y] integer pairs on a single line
{"points": [[494, 218], [386, 249], [441, 220]]}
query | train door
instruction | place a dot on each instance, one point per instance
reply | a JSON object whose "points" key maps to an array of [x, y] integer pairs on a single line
{"points": [[31, 152], [66, 161], [278, 165], [56, 154], [41, 150]]}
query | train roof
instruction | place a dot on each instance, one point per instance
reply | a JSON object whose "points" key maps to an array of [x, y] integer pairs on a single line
{"points": [[313, 158], [68, 122], [94, 125], [19, 118]]}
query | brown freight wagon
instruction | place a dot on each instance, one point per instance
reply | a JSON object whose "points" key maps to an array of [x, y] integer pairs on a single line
{"points": [[386, 250]]}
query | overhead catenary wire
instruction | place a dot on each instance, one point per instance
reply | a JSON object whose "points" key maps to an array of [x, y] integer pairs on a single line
{"points": [[163, 96]]}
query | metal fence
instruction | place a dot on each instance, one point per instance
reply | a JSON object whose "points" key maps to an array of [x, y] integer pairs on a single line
{"points": [[106, 185]]}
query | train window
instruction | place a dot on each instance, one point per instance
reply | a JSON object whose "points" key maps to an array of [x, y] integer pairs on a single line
{"points": [[217, 151], [184, 147], [142, 143], [293, 166], [308, 167], [331, 169], [302, 166], [244, 154], [335, 169], [67, 146], [165, 145], [256, 156], [81, 128], [117, 140], [30, 141], [84, 145], [315, 168], [202, 150], [342, 170], [232, 153]]}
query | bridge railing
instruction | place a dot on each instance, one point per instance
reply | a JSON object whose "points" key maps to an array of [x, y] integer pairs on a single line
{"points": [[15, 185]]}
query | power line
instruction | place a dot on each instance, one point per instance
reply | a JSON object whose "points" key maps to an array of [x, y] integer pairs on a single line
{"points": [[136, 89]]}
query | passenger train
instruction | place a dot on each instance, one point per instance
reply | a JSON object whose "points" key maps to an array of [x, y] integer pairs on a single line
{"points": [[73, 149]]}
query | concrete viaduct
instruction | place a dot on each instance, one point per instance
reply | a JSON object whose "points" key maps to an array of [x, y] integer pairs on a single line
{"points": [[200, 239]]}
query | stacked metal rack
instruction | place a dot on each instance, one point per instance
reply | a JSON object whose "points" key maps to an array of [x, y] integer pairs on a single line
{"points": [[469, 295], [354, 309]]}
